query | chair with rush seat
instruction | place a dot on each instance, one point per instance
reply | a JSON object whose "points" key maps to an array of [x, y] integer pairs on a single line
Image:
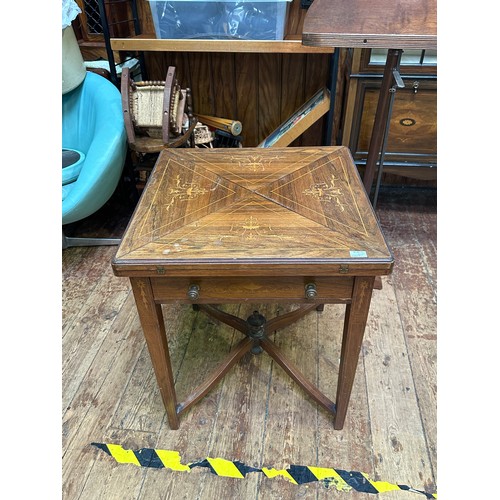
{"points": [[157, 114]]}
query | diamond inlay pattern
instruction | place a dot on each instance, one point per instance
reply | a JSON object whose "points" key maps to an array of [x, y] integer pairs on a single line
{"points": [[292, 203]]}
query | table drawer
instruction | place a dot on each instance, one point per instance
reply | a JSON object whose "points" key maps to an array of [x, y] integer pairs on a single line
{"points": [[269, 289]]}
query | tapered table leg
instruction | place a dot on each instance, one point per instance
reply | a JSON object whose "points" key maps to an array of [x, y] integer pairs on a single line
{"points": [[354, 329], [382, 117], [153, 327]]}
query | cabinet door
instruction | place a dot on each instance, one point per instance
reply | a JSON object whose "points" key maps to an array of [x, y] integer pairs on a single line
{"points": [[412, 138]]}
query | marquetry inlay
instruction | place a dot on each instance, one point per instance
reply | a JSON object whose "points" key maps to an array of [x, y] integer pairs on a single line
{"points": [[256, 163], [253, 230], [277, 203], [185, 190], [327, 192]]}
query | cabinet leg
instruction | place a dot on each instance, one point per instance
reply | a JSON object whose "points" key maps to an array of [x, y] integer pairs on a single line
{"points": [[153, 327], [354, 328], [382, 117]]}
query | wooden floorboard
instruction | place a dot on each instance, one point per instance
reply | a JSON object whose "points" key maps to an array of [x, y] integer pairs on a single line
{"points": [[256, 415]]}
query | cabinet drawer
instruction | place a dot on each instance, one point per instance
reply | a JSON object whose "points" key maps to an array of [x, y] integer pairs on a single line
{"points": [[268, 289]]}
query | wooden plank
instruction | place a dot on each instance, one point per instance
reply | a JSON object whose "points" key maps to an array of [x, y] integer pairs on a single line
{"points": [[294, 19], [108, 479], [144, 12], [316, 69], [399, 444], [74, 261], [123, 329], [82, 267], [292, 86], [293, 83], [290, 431], [247, 96], [413, 240], [86, 417], [181, 63], [156, 65], [74, 290], [269, 93], [201, 77], [210, 341], [223, 71], [184, 45], [83, 340]]}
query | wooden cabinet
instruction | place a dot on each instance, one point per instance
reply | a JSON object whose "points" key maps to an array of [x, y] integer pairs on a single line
{"points": [[411, 150]]}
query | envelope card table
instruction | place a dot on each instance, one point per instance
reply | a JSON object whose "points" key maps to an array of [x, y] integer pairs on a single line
{"points": [[284, 225]]}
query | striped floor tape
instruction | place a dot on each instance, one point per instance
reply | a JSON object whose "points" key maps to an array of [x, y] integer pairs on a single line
{"points": [[297, 474]]}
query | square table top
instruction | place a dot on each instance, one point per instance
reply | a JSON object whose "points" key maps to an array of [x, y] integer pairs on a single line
{"points": [[276, 211]]}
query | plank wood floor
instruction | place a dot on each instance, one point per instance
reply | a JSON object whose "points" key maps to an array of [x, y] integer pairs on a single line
{"points": [[256, 415]]}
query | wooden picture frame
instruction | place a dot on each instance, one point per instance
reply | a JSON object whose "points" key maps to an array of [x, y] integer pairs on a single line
{"points": [[301, 120]]}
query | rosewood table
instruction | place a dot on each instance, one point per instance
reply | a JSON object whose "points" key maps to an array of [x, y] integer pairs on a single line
{"points": [[390, 24], [291, 225]]}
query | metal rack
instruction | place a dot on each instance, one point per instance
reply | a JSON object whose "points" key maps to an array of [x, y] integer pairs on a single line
{"points": [[108, 19], [107, 28]]}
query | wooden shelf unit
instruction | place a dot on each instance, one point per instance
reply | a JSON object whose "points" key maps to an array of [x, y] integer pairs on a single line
{"points": [[257, 82], [149, 43]]}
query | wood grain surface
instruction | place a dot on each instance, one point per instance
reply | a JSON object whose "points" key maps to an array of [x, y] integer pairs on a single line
{"points": [[397, 24], [253, 211]]}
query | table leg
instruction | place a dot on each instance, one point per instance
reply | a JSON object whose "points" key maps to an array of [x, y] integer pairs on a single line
{"points": [[334, 75], [354, 328], [153, 327], [381, 117]]}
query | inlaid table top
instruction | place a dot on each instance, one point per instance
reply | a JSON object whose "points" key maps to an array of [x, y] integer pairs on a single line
{"points": [[253, 210]]}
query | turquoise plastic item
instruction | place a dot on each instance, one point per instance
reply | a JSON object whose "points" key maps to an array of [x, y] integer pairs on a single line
{"points": [[92, 122]]}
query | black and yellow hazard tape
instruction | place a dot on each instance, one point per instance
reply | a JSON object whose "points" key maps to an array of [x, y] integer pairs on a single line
{"points": [[297, 474]]}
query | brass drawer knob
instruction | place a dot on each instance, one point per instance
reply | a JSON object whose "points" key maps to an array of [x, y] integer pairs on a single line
{"points": [[193, 292], [311, 291]]}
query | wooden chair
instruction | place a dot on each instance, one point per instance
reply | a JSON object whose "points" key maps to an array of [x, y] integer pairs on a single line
{"points": [[153, 113]]}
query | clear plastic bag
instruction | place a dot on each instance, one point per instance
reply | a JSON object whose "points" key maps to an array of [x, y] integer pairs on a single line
{"points": [[235, 20], [70, 10]]}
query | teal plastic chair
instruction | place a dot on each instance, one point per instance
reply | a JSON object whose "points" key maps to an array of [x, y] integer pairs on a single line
{"points": [[94, 145]]}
